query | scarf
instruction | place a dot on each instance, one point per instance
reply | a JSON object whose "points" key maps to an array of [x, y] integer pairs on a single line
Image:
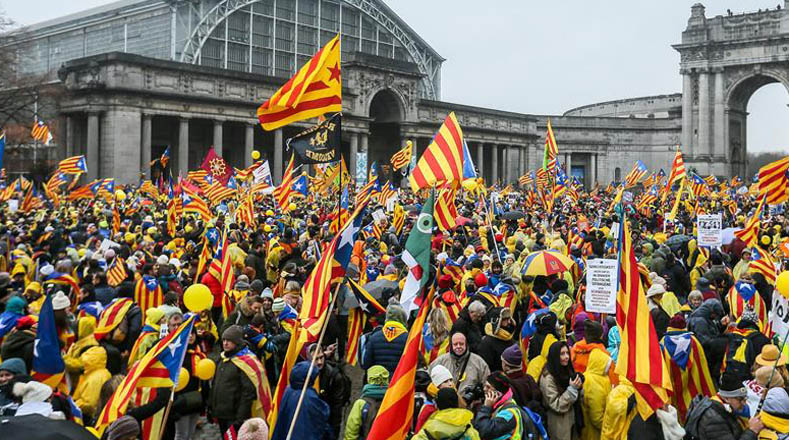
{"points": [[393, 329], [779, 424], [500, 333]]}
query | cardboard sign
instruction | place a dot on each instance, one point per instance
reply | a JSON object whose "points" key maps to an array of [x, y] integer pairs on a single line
{"points": [[709, 230], [601, 285], [13, 205], [779, 315], [379, 215]]}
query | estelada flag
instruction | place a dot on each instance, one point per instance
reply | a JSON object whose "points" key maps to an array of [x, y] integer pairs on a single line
{"points": [[217, 167], [315, 90]]}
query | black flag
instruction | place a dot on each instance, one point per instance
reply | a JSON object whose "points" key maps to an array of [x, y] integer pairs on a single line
{"points": [[319, 144]]}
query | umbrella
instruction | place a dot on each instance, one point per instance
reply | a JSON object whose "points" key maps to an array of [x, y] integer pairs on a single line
{"points": [[546, 263], [380, 289], [462, 221], [676, 241], [412, 208], [38, 427], [513, 215]]}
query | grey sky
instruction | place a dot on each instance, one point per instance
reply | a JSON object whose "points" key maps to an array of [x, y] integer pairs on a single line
{"points": [[548, 57]]}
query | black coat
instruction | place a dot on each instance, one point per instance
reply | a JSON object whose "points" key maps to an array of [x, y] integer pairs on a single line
{"points": [[490, 350], [379, 351], [472, 330], [232, 393]]}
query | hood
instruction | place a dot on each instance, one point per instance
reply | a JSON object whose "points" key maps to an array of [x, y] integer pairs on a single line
{"points": [[377, 375], [598, 363], [85, 326], [583, 347], [707, 308], [299, 374], [16, 305], [94, 358], [452, 417], [648, 249]]}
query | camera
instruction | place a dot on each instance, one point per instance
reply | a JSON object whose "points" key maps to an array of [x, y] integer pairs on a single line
{"points": [[471, 394]]}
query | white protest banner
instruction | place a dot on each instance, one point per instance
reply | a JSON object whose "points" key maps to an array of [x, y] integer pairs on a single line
{"points": [[779, 315], [709, 230], [107, 243], [601, 285], [13, 205], [379, 215]]}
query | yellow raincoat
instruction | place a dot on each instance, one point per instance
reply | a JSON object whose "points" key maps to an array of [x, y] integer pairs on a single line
{"points": [[73, 358], [597, 386], [86, 395], [448, 423], [617, 418]]}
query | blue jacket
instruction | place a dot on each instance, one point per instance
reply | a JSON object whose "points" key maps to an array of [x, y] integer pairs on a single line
{"points": [[313, 418], [379, 351]]}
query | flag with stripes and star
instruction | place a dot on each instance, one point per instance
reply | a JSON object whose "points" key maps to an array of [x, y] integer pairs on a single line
{"points": [[148, 293], [774, 182], [73, 165], [635, 175], [40, 132], [402, 157], [750, 232], [48, 365], [315, 90]]}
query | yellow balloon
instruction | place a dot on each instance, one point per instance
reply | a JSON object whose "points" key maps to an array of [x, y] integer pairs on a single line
{"points": [[205, 369], [267, 228], [782, 284], [292, 207], [183, 379], [255, 154], [409, 143], [198, 298], [120, 195]]}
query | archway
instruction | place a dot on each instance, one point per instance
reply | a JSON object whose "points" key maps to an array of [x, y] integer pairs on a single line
{"points": [[752, 119], [386, 116]]}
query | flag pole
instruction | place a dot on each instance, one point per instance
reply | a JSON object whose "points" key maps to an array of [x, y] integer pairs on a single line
{"points": [[312, 361], [772, 372]]}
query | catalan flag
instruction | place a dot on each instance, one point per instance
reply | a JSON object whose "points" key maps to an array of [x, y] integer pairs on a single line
{"points": [[773, 181], [165, 158], [398, 218], [221, 268], [711, 180], [367, 303], [148, 293], [698, 186], [677, 174], [64, 280], [330, 268], [193, 203], [640, 357], [116, 272], [635, 175], [217, 192], [48, 365], [763, 264], [442, 162], [73, 165], [356, 321], [648, 198], [111, 316], [750, 232], [688, 368], [366, 192], [527, 179], [159, 368], [342, 212], [742, 295], [402, 157], [40, 132], [396, 413], [246, 211], [551, 150], [445, 210], [387, 192], [315, 90], [283, 192]]}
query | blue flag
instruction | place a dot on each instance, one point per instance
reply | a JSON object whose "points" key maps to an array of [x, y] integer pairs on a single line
{"points": [[48, 365]]}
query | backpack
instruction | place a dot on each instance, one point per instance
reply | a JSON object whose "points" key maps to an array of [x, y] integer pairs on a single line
{"points": [[369, 411], [537, 428]]}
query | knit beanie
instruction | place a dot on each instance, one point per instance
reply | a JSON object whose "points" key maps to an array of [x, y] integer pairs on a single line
{"points": [[593, 331], [499, 382], [480, 280], [234, 334], [440, 374], [124, 427], [256, 286], [395, 312], [677, 321], [32, 391], [512, 355], [377, 375], [278, 305], [253, 429], [447, 398], [762, 375], [14, 365], [60, 301]]}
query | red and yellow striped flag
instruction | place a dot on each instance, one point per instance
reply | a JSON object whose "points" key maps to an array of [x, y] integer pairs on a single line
{"points": [[773, 181], [112, 316], [283, 192], [148, 293], [750, 232], [316, 89], [402, 157], [551, 151], [677, 173], [356, 320], [397, 409], [640, 357], [446, 212], [442, 162]]}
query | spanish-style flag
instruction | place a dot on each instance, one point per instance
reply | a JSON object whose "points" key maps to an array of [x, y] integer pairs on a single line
{"points": [[773, 181], [402, 157], [442, 162], [396, 412], [640, 356], [315, 90], [551, 150], [750, 232], [446, 212]]}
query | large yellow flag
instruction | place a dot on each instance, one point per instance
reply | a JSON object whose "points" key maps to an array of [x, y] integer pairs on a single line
{"points": [[315, 90]]}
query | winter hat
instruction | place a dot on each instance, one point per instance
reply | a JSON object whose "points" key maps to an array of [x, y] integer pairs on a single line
{"points": [[109, 254], [593, 331], [16, 305], [14, 365], [32, 391], [234, 334], [480, 280], [762, 375], [669, 422], [559, 286], [440, 374], [377, 375], [677, 321], [702, 284], [512, 355], [266, 293], [60, 301], [162, 260], [445, 282], [46, 270], [395, 312], [241, 285], [749, 315], [659, 280], [776, 401], [499, 381], [447, 398], [278, 305], [655, 289], [257, 286], [122, 428], [731, 387], [253, 429]]}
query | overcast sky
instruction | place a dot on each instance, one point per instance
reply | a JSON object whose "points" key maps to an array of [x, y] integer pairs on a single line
{"points": [[547, 57]]}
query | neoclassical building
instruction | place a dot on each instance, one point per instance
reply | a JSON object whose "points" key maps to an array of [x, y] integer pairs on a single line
{"points": [[140, 76]]}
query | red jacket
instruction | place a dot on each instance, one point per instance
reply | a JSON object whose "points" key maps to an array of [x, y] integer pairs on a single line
{"points": [[215, 286]]}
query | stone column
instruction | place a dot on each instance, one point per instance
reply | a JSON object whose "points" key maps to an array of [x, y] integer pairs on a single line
{"points": [[145, 148], [524, 159], [703, 145], [568, 164], [354, 156], [362, 159], [593, 170], [277, 156], [69, 136], [495, 159], [249, 140], [92, 153], [218, 137], [183, 145], [687, 113], [719, 131], [120, 144], [480, 158]]}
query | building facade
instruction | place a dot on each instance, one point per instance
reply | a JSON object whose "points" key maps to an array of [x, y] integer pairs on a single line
{"points": [[140, 76]]}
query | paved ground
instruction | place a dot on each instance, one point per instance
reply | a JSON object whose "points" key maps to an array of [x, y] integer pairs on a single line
{"points": [[208, 431]]}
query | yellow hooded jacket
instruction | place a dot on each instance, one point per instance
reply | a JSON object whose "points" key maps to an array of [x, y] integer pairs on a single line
{"points": [[597, 386], [86, 395]]}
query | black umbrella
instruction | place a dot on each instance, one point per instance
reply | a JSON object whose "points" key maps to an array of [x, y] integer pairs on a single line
{"points": [[38, 427], [412, 208], [513, 215], [676, 241]]}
